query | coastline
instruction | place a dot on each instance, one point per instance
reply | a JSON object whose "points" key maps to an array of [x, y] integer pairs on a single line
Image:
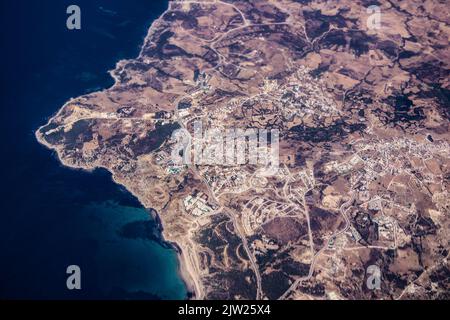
{"points": [[185, 271]]}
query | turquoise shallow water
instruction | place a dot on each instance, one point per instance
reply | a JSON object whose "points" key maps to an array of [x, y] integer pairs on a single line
{"points": [[128, 257]]}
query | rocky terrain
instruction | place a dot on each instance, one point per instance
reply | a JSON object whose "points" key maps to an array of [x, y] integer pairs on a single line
{"points": [[362, 110]]}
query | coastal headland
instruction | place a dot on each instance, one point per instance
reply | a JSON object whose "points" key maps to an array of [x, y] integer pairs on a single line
{"points": [[364, 147]]}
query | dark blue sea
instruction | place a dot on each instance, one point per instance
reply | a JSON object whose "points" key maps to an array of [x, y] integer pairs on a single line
{"points": [[51, 216]]}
